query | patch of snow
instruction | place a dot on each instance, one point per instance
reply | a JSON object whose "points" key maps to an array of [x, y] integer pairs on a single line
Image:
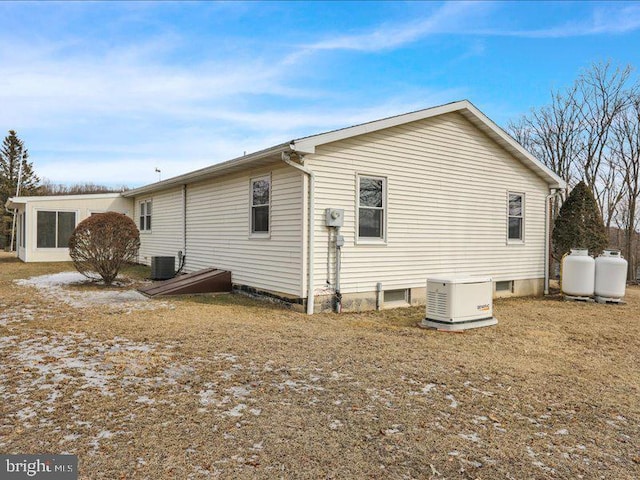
{"points": [[562, 431], [54, 286], [53, 280], [393, 430], [207, 397], [472, 463], [454, 402], [472, 437], [239, 392], [257, 446], [543, 467], [237, 410], [335, 424]]}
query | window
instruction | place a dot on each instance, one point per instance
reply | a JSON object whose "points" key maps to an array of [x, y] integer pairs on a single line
{"points": [[516, 216], [260, 199], [396, 296], [504, 286], [371, 205], [145, 215], [22, 218], [54, 229]]}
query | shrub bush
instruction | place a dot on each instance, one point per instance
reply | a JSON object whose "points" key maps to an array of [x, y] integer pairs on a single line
{"points": [[101, 244], [579, 224]]}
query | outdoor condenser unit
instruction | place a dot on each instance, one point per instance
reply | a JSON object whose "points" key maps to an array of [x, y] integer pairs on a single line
{"points": [[459, 303], [163, 268]]}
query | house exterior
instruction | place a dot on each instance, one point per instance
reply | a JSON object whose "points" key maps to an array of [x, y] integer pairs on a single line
{"points": [[438, 191], [44, 224], [441, 191]]}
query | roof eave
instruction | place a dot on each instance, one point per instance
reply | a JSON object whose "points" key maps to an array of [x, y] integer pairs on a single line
{"points": [[210, 171]]}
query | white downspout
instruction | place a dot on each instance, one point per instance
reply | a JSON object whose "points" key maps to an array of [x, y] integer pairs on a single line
{"points": [[547, 240], [184, 224], [286, 158]]}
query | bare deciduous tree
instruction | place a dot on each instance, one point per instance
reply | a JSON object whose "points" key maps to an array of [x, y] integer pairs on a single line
{"points": [[626, 147], [603, 94], [49, 188], [552, 133], [585, 134]]}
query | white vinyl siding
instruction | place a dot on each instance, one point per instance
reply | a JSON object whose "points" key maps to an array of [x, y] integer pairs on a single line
{"points": [[166, 235], [446, 189], [219, 232]]}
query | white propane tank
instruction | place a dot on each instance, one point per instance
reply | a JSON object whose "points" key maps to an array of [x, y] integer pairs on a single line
{"points": [[611, 275], [578, 274]]}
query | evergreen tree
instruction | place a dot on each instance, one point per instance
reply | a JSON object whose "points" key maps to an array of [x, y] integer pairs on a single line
{"points": [[12, 153], [579, 224]]}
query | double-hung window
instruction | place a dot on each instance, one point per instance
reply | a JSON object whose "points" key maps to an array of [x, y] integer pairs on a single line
{"points": [[516, 217], [54, 229], [371, 207], [145, 215], [260, 201]]}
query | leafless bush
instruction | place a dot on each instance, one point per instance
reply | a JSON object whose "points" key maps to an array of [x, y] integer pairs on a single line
{"points": [[101, 244]]}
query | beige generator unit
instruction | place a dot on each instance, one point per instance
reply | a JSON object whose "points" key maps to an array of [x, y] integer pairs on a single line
{"points": [[459, 303]]}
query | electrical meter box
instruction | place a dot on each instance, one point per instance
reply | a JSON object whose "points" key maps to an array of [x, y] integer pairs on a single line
{"points": [[334, 217]]}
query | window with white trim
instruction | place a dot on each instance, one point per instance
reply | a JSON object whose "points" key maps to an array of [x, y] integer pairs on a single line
{"points": [[54, 228], [260, 204], [371, 207], [516, 217], [145, 215], [22, 229]]}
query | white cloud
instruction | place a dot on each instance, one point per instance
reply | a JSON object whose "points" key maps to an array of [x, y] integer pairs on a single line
{"points": [[603, 21], [450, 17], [111, 114], [464, 18]]}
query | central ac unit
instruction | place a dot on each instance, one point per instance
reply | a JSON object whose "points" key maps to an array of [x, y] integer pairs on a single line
{"points": [[459, 303]]}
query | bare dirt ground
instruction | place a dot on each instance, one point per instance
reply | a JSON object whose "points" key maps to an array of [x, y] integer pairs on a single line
{"points": [[227, 387]]}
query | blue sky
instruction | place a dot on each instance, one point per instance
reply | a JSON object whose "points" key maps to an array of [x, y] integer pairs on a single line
{"points": [[107, 92]]}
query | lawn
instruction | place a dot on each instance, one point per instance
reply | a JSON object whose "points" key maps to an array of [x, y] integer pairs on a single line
{"points": [[228, 387]]}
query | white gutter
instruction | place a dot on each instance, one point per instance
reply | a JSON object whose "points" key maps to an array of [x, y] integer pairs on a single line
{"points": [[286, 158], [547, 240]]}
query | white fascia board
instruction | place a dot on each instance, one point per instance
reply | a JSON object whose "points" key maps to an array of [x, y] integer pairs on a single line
{"points": [[12, 202]]}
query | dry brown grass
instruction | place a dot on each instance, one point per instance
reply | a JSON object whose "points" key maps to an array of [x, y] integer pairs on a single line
{"points": [[233, 388]]}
